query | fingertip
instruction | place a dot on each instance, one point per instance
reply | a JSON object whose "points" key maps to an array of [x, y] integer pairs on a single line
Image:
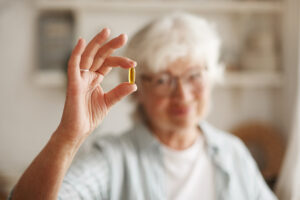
{"points": [[105, 31], [81, 41], [132, 86], [80, 45], [131, 63], [135, 87], [134, 63], [123, 37]]}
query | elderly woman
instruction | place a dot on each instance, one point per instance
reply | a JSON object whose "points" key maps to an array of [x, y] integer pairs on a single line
{"points": [[171, 153]]}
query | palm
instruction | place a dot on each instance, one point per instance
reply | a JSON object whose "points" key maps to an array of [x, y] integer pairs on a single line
{"points": [[98, 109], [94, 108], [86, 103]]}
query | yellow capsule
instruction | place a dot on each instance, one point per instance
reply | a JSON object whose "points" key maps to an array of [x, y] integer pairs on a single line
{"points": [[131, 75]]}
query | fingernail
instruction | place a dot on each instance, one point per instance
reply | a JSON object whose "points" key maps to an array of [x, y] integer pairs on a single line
{"points": [[135, 88]]}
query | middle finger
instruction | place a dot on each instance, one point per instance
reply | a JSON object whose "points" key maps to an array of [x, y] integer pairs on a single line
{"points": [[106, 50], [90, 51]]}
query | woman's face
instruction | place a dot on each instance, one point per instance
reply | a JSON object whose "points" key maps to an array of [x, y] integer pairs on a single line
{"points": [[177, 98]]}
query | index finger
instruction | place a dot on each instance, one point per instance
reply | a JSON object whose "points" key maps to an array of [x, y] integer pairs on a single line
{"points": [[115, 61]]}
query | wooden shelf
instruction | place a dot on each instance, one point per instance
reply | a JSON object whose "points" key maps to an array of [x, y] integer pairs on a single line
{"points": [[164, 5], [257, 79], [231, 79]]}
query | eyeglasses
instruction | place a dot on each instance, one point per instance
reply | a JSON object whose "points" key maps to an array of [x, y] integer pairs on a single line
{"points": [[164, 84]]}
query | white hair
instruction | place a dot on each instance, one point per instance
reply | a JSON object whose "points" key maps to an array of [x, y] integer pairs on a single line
{"points": [[174, 36]]}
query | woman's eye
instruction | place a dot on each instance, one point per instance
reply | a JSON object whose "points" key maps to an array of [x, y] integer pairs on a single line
{"points": [[195, 76], [162, 80]]}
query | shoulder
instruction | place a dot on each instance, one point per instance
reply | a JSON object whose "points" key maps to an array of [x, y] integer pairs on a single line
{"points": [[229, 151], [234, 157]]}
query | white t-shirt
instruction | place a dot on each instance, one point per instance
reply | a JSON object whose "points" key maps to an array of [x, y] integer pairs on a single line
{"points": [[189, 173]]}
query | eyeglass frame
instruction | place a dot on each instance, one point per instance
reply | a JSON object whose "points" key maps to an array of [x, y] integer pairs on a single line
{"points": [[173, 80]]}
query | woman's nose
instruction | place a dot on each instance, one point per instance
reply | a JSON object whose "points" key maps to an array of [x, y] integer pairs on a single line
{"points": [[182, 91]]}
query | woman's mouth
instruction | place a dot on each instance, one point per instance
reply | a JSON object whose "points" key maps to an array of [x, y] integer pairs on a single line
{"points": [[180, 111]]}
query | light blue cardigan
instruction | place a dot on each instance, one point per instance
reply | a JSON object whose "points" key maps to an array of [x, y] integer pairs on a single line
{"points": [[130, 167]]}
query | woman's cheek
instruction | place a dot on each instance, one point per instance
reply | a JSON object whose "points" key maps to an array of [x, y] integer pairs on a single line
{"points": [[155, 106], [204, 103], [160, 104], [200, 98]]}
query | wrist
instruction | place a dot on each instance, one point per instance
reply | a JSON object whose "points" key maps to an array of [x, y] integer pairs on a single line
{"points": [[70, 140]]}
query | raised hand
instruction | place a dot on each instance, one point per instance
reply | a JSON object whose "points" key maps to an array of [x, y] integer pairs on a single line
{"points": [[86, 103]]}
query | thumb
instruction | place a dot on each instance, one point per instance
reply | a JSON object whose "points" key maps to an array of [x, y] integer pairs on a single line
{"points": [[118, 93]]}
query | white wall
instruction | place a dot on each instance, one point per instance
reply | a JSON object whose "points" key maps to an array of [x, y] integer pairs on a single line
{"points": [[28, 113]]}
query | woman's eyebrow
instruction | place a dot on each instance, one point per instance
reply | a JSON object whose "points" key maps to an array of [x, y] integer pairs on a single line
{"points": [[196, 68]]}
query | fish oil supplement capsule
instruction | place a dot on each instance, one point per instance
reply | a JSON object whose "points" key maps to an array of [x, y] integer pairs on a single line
{"points": [[131, 75]]}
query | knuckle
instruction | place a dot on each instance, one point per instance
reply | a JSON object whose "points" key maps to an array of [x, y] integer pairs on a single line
{"points": [[86, 59]]}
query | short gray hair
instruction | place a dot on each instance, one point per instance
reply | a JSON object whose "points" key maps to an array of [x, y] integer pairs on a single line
{"points": [[174, 36]]}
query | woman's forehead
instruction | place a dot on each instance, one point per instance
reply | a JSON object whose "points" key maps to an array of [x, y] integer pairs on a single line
{"points": [[183, 65], [176, 67]]}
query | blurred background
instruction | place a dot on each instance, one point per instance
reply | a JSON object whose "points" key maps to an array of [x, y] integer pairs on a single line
{"points": [[257, 101]]}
